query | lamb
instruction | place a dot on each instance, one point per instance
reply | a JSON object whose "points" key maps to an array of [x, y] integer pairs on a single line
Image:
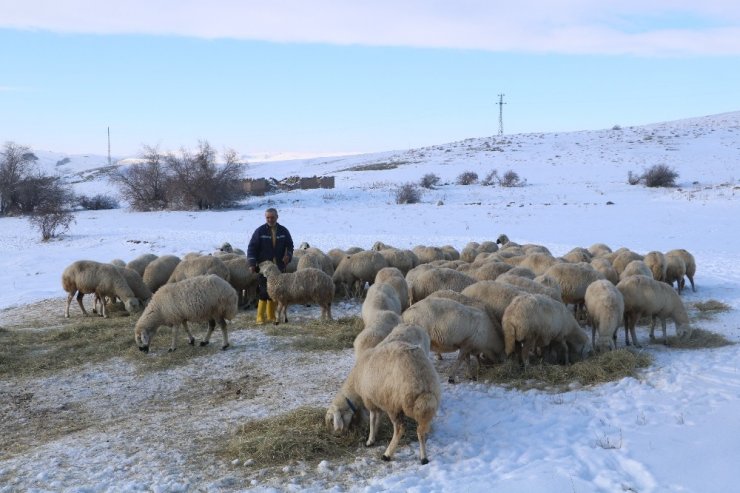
{"points": [[303, 286], [636, 268], [227, 248], [534, 320], [395, 278], [87, 276], [675, 271], [645, 296], [453, 326], [605, 305], [379, 245], [376, 330], [395, 377], [198, 266], [198, 299], [242, 279], [355, 270], [690, 266], [159, 270], [380, 297], [434, 279], [140, 262], [657, 264], [503, 240]]}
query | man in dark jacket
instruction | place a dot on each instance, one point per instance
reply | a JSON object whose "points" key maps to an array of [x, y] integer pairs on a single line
{"points": [[271, 242]]}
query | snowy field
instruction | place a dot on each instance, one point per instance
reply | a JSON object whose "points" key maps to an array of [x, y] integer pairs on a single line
{"points": [[672, 429]]}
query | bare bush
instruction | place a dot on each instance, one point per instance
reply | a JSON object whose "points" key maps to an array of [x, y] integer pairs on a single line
{"points": [[97, 202], [660, 175], [467, 178], [144, 185], [511, 179], [408, 193], [17, 165], [490, 179], [632, 178], [51, 216], [430, 180]]}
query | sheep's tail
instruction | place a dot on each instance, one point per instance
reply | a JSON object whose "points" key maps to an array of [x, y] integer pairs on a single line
{"points": [[510, 333], [425, 406]]}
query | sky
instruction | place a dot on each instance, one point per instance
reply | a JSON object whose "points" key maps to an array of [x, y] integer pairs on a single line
{"points": [[325, 77]]}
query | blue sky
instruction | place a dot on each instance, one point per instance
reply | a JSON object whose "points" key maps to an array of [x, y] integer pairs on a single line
{"points": [[354, 76]]}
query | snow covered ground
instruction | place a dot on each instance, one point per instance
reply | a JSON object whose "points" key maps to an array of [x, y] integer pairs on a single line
{"points": [[673, 429]]}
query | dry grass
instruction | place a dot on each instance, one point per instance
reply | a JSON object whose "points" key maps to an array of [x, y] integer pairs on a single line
{"points": [[319, 335], [605, 367], [711, 306], [302, 435], [700, 339]]}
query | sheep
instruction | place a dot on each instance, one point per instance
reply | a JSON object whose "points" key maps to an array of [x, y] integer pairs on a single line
{"points": [[577, 254], [396, 279], [198, 299], [644, 296], [503, 240], [380, 297], [624, 257], [657, 264], [427, 254], [117, 262], [379, 245], [87, 276], [140, 262], [496, 296], [336, 255], [636, 268], [450, 252], [376, 330], [403, 260], [521, 272], [605, 267], [158, 272], [598, 250], [303, 286], [539, 262], [489, 271], [134, 281], [226, 248], [470, 250], [434, 279], [532, 286], [313, 257], [675, 270], [411, 334], [355, 270], [397, 378], [453, 326], [690, 266], [605, 306], [199, 266], [537, 321], [242, 279], [573, 280]]}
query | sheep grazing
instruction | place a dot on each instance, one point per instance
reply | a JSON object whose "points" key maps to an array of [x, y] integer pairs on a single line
{"points": [[656, 262], [355, 270], [303, 286], [199, 266], [242, 279], [489, 271], [403, 260], [395, 377], [577, 254], [636, 268], [140, 262], [198, 299], [496, 296], [675, 271], [532, 286], [117, 262], [690, 262], [644, 296], [395, 278], [435, 279], [159, 270], [453, 326], [605, 306], [336, 255], [573, 280], [134, 281], [380, 297], [315, 258], [376, 329], [605, 267], [622, 258], [599, 250], [539, 262], [86, 276], [533, 320]]}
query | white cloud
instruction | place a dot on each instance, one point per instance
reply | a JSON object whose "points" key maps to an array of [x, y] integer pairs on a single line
{"points": [[648, 27]]}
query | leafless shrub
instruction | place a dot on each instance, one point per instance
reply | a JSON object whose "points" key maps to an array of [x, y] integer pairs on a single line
{"points": [[97, 202], [467, 178], [511, 179], [408, 193], [632, 178], [430, 180], [17, 167], [660, 175], [145, 185], [491, 178], [51, 216]]}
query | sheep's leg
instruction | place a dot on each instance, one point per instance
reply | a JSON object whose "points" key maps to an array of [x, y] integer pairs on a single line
{"points": [[665, 337], [69, 302], [462, 356], [173, 344], [691, 279], [80, 294], [473, 367], [526, 350], [593, 336], [191, 339], [211, 326], [103, 309], [398, 430], [652, 327], [374, 418], [566, 350], [422, 429], [222, 323], [633, 322], [328, 312]]}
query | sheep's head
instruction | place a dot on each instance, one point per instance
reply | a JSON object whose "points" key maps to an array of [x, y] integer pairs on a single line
{"points": [[340, 414], [304, 246], [132, 305], [604, 344], [268, 269], [502, 239], [142, 337], [226, 247], [684, 331]]}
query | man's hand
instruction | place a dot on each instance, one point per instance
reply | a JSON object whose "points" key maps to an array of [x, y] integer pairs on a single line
{"points": [[286, 259], [252, 268]]}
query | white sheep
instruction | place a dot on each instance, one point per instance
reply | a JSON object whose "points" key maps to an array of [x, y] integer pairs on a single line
{"points": [[599, 250], [86, 276], [395, 377], [199, 266], [623, 257], [427, 254], [198, 299], [375, 330], [140, 262], [396, 279], [605, 306], [159, 270], [336, 255], [303, 286], [379, 245], [605, 267], [656, 262], [536, 321], [538, 262], [117, 262], [675, 270], [453, 326], [226, 248], [636, 268], [355, 270], [577, 254], [315, 258], [242, 279], [380, 297], [496, 296], [489, 271], [532, 286], [435, 279], [403, 260], [573, 280], [644, 296], [134, 281], [690, 266]]}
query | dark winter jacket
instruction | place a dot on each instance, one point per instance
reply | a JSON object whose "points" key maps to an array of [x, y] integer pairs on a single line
{"points": [[260, 246]]}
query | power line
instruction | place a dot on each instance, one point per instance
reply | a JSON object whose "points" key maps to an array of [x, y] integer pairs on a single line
{"points": [[501, 113]]}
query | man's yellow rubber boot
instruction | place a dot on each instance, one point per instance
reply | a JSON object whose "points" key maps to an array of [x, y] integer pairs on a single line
{"points": [[271, 311], [261, 309]]}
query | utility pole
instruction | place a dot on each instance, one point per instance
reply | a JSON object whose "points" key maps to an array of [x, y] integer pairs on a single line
{"points": [[501, 113], [108, 146]]}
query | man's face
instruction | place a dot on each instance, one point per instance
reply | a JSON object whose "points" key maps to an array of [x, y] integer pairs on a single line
{"points": [[271, 218]]}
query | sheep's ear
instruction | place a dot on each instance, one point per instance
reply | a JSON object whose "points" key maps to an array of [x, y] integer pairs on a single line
{"points": [[338, 421]]}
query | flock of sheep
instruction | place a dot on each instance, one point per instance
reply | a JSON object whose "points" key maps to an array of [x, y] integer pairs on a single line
{"points": [[491, 300]]}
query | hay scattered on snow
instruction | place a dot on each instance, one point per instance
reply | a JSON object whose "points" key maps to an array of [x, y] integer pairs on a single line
{"points": [[319, 335], [700, 339]]}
